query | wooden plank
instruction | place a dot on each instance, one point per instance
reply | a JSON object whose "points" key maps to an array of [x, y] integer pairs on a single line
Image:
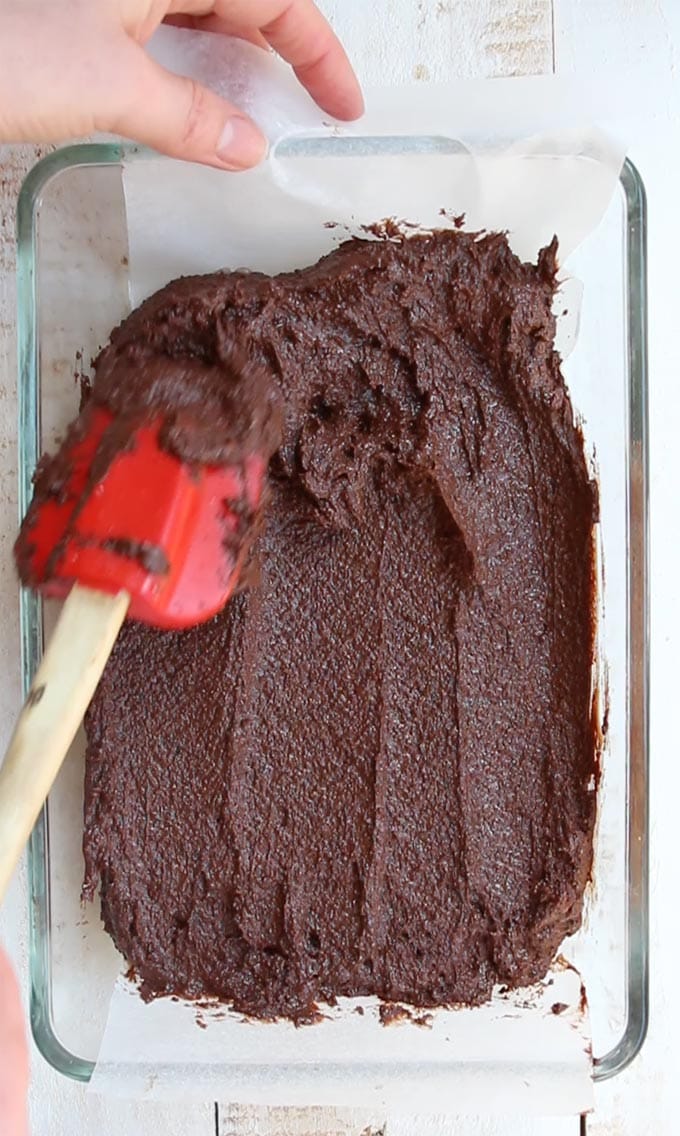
{"points": [[73, 1112], [397, 41], [239, 1121], [623, 38]]}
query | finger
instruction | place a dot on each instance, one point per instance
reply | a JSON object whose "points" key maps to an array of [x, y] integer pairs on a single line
{"points": [[179, 117], [14, 1063], [303, 37], [299, 32], [220, 27]]}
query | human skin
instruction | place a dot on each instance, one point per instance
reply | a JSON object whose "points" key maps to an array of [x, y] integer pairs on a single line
{"points": [[13, 1055], [78, 67]]}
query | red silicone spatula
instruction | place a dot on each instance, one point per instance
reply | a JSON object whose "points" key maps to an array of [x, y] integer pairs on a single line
{"points": [[137, 532]]}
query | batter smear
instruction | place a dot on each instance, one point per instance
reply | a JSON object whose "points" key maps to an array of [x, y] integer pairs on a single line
{"points": [[372, 773]]}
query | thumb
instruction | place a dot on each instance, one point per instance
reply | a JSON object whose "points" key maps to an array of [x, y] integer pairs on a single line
{"points": [[182, 118]]}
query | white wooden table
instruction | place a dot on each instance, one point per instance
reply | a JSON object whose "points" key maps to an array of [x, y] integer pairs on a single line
{"points": [[631, 41]]}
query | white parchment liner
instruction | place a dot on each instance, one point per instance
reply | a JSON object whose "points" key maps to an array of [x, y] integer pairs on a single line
{"points": [[517, 155]]}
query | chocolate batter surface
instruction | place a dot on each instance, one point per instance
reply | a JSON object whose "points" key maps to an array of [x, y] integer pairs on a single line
{"points": [[372, 773], [216, 413]]}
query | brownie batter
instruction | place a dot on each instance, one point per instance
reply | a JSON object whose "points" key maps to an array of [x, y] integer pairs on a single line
{"points": [[373, 772], [208, 413], [214, 411]]}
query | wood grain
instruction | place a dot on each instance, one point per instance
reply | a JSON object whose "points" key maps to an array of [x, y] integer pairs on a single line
{"points": [[239, 1121], [62, 688], [437, 40]]}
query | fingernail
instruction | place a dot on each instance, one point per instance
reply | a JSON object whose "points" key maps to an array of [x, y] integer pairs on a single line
{"points": [[241, 144]]}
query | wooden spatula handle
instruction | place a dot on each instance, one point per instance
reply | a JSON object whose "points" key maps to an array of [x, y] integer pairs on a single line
{"points": [[59, 696]]}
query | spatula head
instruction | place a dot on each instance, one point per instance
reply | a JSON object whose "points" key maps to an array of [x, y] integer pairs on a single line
{"points": [[172, 534]]}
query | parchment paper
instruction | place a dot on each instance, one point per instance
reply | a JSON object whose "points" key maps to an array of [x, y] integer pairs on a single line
{"points": [[518, 155], [516, 1054]]}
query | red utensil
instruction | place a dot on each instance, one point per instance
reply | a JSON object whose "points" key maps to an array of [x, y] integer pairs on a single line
{"points": [[168, 533], [129, 531]]}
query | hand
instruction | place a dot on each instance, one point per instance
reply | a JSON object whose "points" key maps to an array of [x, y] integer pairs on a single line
{"points": [[13, 1055], [74, 67]]}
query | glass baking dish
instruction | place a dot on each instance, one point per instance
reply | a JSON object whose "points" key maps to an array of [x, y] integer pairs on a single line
{"points": [[73, 288]]}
